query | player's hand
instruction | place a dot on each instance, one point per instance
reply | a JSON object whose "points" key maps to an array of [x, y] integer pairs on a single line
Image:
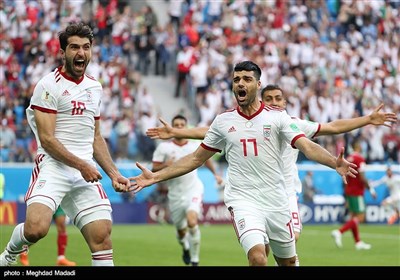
{"points": [[373, 192], [344, 167], [219, 179], [382, 118], [164, 132], [121, 184], [90, 172], [141, 181]]}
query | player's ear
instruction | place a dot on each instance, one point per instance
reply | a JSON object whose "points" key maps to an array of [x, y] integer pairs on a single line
{"points": [[62, 54]]}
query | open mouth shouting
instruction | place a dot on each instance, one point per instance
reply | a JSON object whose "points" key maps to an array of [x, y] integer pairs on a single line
{"points": [[241, 95], [79, 65]]}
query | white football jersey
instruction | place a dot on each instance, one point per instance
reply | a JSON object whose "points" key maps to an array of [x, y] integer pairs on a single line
{"points": [[291, 173], [393, 184], [77, 105], [254, 147], [179, 186]]}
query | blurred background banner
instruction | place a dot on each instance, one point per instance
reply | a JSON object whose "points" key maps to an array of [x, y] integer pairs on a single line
{"points": [[327, 205]]}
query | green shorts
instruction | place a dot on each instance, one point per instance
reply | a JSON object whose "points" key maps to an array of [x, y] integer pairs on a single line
{"points": [[59, 212], [356, 204]]}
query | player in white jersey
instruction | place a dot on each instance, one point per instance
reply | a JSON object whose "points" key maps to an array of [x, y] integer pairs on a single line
{"points": [[392, 181], [64, 114], [273, 95], [253, 138], [185, 193]]}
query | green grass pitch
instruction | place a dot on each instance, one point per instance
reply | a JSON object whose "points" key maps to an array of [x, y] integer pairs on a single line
{"points": [[156, 245]]}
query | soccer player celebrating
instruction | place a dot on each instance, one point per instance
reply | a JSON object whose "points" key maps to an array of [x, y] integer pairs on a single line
{"points": [[59, 219], [253, 137], [273, 95], [185, 193], [64, 114]]}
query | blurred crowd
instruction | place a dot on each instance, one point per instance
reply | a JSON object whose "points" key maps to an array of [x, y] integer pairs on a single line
{"points": [[333, 58]]}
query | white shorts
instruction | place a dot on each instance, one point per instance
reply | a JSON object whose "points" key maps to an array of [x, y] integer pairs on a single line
{"points": [[254, 226], [294, 209], [193, 200], [53, 183], [393, 200]]}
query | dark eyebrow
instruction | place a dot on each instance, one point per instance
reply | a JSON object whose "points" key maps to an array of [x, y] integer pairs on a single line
{"points": [[78, 45]]}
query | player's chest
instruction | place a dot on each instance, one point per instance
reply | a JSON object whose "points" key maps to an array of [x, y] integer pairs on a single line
{"points": [[252, 131], [78, 99]]}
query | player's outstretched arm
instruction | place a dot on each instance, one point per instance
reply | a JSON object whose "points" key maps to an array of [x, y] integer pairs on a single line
{"points": [[345, 125], [382, 118], [164, 132], [167, 131], [319, 154], [183, 166]]}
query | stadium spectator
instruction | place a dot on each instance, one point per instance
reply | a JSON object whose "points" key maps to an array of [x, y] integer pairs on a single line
{"points": [[372, 66], [8, 141], [64, 114], [354, 195], [247, 191]]}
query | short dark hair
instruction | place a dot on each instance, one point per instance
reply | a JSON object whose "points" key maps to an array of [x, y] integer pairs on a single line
{"points": [[79, 29], [269, 88], [178, 117], [248, 66]]}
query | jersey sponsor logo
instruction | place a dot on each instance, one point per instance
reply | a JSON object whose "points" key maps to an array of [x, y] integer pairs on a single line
{"points": [[267, 132]]}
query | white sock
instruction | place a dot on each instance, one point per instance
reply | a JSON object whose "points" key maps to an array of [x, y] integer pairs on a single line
{"points": [[297, 263], [103, 258], [194, 241], [183, 241], [18, 242]]}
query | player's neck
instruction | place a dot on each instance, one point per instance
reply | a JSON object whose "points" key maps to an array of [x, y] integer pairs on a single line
{"points": [[68, 75], [251, 109]]}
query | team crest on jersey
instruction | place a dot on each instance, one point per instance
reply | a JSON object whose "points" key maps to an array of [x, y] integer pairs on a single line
{"points": [[241, 224], [89, 96], [41, 184], [46, 96], [267, 132], [294, 127]]}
